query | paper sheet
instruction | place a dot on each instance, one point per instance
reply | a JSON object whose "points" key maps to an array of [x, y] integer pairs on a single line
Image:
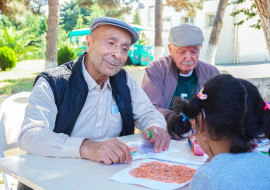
{"points": [[156, 174], [143, 149], [179, 160]]}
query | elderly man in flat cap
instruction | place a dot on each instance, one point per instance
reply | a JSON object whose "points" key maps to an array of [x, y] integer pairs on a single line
{"points": [[180, 74], [77, 109]]}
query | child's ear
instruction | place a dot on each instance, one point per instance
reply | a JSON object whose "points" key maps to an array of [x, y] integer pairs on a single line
{"points": [[202, 128]]}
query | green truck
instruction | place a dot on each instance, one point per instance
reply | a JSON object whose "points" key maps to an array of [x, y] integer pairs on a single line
{"points": [[141, 53]]}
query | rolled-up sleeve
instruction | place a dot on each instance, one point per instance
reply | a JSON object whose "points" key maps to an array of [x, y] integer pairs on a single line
{"points": [[37, 136], [145, 114]]}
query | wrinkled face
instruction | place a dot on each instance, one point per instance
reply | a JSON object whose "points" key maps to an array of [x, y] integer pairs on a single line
{"points": [[185, 58], [107, 49]]}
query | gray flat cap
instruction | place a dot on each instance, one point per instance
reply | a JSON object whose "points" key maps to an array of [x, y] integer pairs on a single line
{"points": [[99, 21], [186, 35]]}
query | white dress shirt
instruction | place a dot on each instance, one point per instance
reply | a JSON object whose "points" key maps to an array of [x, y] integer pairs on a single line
{"points": [[99, 119]]}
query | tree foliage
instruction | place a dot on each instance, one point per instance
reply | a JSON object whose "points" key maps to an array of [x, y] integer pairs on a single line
{"points": [[20, 42], [80, 13], [70, 13], [186, 5], [35, 25], [17, 9], [250, 13], [136, 18]]}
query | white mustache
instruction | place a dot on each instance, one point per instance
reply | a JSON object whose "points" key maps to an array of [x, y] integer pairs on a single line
{"points": [[187, 63], [113, 61]]}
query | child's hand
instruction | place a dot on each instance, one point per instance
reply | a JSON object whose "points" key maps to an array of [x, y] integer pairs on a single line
{"points": [[207, 150]]}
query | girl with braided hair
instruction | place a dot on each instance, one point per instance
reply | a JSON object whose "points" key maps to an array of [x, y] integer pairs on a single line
{"points": [[227, 116]]}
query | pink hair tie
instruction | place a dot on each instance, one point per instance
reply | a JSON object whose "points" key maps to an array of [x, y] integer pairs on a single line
{"points": [[267, 106], [201, 95]]}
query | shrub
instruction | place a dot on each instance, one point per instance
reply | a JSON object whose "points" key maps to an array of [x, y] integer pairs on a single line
{"points": [[7, 58], [65, 54]]}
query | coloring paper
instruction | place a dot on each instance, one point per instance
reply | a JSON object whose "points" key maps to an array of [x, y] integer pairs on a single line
{"points": [[157, 174], [143, 149]]}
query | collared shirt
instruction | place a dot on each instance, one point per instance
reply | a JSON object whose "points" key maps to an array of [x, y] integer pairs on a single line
{"points": [[99, 119], [161, 78]]}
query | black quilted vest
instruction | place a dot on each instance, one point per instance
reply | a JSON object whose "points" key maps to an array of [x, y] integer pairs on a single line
{"points": [[70, 91]]}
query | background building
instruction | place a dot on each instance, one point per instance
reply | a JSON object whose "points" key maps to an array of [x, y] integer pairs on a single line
{"points": [[237, 44]]}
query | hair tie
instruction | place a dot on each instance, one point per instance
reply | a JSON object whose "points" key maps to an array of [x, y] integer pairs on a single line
{"points": [[201, 95], [184, 117], [266, 106]]}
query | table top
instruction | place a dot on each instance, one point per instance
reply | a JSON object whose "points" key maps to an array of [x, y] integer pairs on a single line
{"points": [[49, 173]]}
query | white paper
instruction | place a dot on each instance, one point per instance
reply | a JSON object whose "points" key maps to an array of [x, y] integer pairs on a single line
{"points": [[143, 149], [179, 160], [124, 177]]}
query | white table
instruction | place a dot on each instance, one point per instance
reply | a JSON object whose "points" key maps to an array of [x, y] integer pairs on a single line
{"points": [[49, 173]]}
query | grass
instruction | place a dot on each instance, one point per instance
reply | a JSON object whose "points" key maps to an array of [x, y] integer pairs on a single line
{"points": [[21, 78]]}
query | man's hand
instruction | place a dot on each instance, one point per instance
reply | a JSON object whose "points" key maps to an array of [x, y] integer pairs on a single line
{"points": [[160, 138], [110, 151]]}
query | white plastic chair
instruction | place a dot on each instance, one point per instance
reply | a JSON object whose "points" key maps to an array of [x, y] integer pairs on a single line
{"points": [[12, 112]]}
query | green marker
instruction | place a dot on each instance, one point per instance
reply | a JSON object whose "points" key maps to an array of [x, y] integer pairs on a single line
{"points": [[265, 153], [150, 134], [133, 153]]}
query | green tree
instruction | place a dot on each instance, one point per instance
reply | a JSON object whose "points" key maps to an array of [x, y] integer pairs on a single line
{"points": [[95, 11], [37, 24], [186, 5], [62, 37], [20, 42], [249, 12], [89, 9], [69, 13], [112, 8], [17, 9], [258, 7], [136, 18], [5, 21], [79, 24]]}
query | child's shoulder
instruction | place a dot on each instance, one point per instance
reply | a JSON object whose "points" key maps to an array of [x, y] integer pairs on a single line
{"points": [[227, 161]]}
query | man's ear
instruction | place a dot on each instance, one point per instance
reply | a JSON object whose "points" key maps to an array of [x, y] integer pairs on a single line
{"points": [[88, 40], [202, 124], [169, 47]]}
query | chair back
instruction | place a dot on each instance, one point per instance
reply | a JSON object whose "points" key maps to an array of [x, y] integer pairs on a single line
{"points": [[12, 112]]}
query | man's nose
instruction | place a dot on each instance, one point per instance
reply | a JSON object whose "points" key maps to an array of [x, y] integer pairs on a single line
{"points": [[117, 52], [187, 56]]}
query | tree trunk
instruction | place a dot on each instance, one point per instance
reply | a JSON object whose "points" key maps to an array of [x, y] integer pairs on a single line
{"points": [[213, 41], [52, 34], [158, 49], [263, 7]]}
